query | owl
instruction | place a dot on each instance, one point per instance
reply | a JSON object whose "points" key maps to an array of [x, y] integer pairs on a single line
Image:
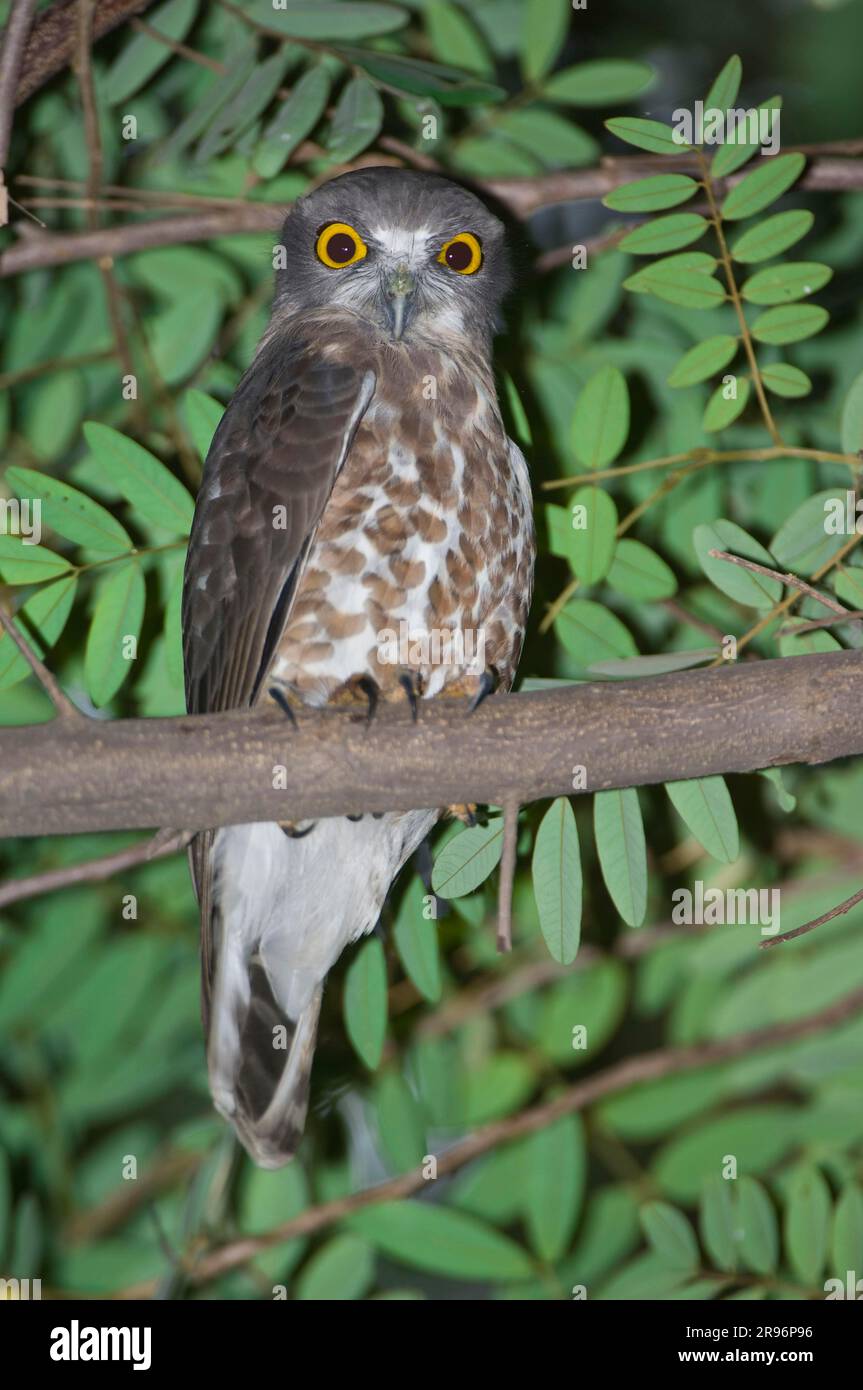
{"points": [[363, 532]]}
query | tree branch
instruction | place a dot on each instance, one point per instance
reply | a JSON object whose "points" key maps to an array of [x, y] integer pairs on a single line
{"points": [[52, 42], [651, 1066], [12, 57], [220, 769], [521, 196]]}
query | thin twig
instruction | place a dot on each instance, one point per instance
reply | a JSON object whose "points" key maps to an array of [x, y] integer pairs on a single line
{"points": [[651, 1066], [61, 702], [84, 71], [92, 870], [507, 874], [788, 580], [816, 922]]}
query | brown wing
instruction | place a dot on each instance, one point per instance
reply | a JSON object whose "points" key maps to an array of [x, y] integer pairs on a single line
{"points": [[267, 479], [268, 476]]}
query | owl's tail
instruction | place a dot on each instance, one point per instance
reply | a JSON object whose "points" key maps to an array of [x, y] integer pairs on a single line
{"points": [[260, 1060]]}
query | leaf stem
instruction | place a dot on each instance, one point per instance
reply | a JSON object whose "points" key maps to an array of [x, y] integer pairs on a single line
{"points": [[731, 280]]}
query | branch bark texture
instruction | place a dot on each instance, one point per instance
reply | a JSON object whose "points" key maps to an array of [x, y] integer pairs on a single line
{"points": [[209, 770]]}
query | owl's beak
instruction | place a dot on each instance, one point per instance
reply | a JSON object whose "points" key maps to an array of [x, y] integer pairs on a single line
{"points": [[398, 292]]}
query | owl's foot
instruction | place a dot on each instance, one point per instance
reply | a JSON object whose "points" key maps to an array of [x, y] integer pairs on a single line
{"points": [[465, 811], [411, 682], [488, 684], [277, 694], [361, 689], [472, 687], [294, 830]]}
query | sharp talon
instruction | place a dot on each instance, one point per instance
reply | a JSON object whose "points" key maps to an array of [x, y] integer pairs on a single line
{"points": [[409, 686], [289, 828], [371, 690], [356, 818], [488, 682], [465, 812], [281, 699]]}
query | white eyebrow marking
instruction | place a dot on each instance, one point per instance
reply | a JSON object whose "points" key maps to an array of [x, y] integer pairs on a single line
{"points": [[400, 241]]}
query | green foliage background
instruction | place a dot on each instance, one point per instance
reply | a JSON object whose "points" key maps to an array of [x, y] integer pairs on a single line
{"points": [[427, 1033]]}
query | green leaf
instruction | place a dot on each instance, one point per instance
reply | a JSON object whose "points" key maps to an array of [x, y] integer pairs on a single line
{"points": [[590, 547], [153, 492], [651, 195], [636, 667], [342, 1269], [41, 620], [757, 1230], [753, 590], [223, 89], [785, 380], [803, 544], [400, 1121], [182, 334], [365, 1002], [240, 113], [647, 135], [790, 323], [416, 940], [448, 85], [295, 119], [553, 140], [453, 37], [496, 1087], [441, 1241], [24, 563], [726, 85], [851, 427], [716, 1221], [780, 284], [143, 55], [467, 859], [590, 632], [739, 148], [670, 1235], [70, 513], [556, 870], [639, 573], [664, 234], [619, 833], [331, 21], [600, 424], [763, 186], [544, 28], [772, 236], [202, 414], [704, 360], [685, 279], [722, 410], [846, 1243], [556, 1161], [357, 120], [598, 82], [118, 614], [807, 1223], [705, 806]]}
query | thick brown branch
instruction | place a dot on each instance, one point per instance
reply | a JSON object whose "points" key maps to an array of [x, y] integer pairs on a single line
{"points": [[634, 1071], [12, 57], [52, 42], [220, 769]]}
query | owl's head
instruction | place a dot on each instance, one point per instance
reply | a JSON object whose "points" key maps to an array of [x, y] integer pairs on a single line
{"points": [[415, 256]]}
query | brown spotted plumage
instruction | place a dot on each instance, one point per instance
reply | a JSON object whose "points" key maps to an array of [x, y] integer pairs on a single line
{"points": [[363, 530]]}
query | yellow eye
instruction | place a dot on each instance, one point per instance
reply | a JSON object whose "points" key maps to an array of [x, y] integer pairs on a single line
{"points": [[339, 245], [462, 253]]}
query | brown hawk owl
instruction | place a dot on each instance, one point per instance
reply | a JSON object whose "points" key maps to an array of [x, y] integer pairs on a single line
{"points": [[360, 487]]}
